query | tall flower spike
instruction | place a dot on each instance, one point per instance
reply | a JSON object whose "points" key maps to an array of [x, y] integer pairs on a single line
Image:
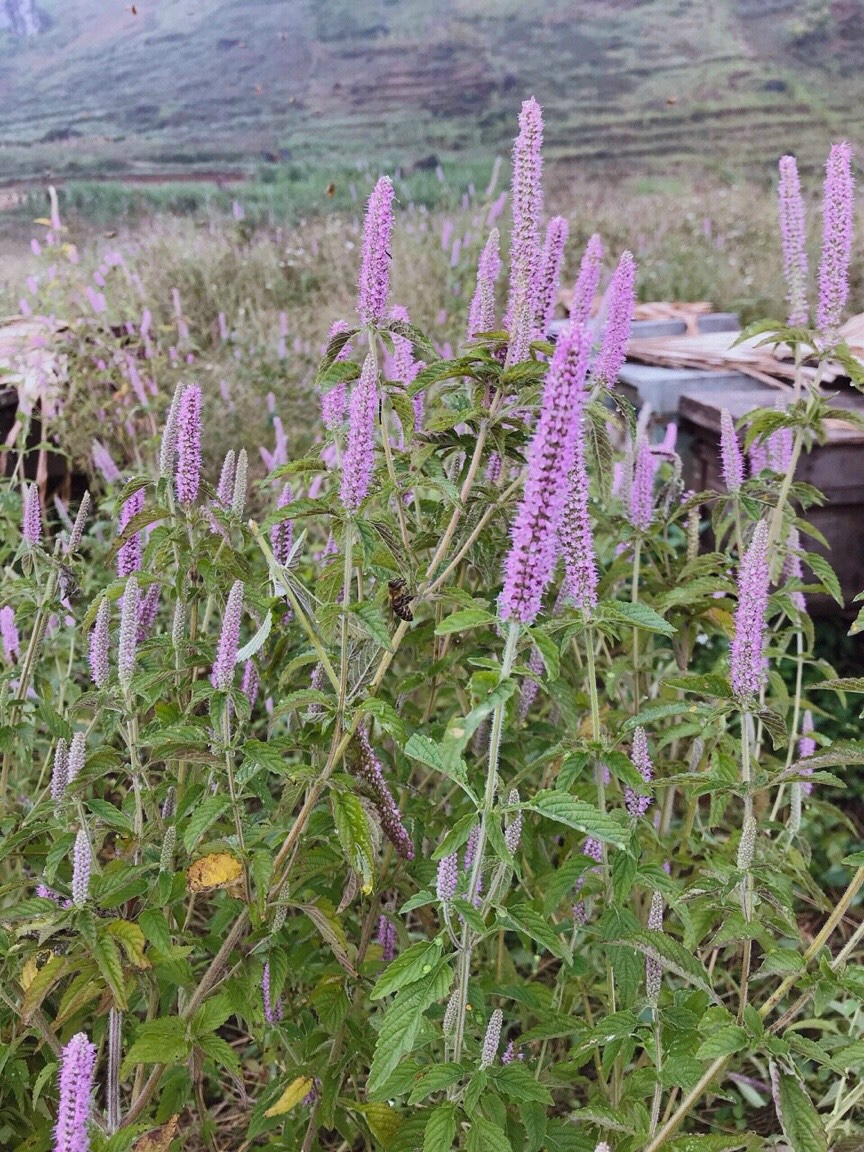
{"points": [[387, 937], [272, 1012], [250, 682], [551, 261], [99, 640], [9, 634], [282, 534], [530, 687], [238, 495], [616, 333], [60, 771], [81, 869], [525, 238], [127, 643], [78, 527], [642, 487], [638, 805], [359, 459], [225, 487], [168, 447], [492, 1039], [731, 460], [481, 314], [576, 535], [31, 523], [793, 569], [129, 553], [75, 1084], [188, 474], [222, 676], [794, 239], [365, 765], [653, 970], [374, 282], [746, 655], [147, 609], [471, 848], [747, 844], [448, 878], [587, 282], [837, 211], [77, 756], [335, 402], [531, 561], [806, 747], [513, 831]]}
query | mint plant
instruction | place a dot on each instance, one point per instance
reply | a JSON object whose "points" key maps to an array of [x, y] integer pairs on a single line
{"points": [[440, 791]]}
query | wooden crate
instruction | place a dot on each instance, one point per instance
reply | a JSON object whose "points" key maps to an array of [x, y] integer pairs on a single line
{"points": [[835, 468]]}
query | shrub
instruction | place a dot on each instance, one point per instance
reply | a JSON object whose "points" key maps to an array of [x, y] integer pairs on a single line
{"points": [[320, 832]]}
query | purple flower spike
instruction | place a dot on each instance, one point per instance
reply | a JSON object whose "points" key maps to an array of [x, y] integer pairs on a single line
{"points": [[638, 805], [513, 831], [77, 756], [359, 459], [127, 642], [374, 283], [75, 1083], [549, 277], [448, 878], [793, 569], [653, 969], [492, 1039], [616, 333], [31, 523], [525, 238], [642, 488], [147, 610], [365, 765], [471, 848], [387, 937], [334, 403], [587, 282], [222, 676], [225, 487], [250, 682], [188, 474], [837, 210], [530, 687], [481, 315], [794, 237], [731, 459], [60, 771], [272, 1012], [746, 658], [99, 639], [9, 635], [282, 534], [129, 554], [168, 447], [531, 561], [81, 869], [577, 537]]}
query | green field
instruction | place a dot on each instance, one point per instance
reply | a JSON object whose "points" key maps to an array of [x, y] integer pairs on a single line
{"points": [[629, 86]]}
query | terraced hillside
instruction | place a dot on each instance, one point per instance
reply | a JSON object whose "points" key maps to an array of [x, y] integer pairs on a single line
{"points": [[629, 85]]}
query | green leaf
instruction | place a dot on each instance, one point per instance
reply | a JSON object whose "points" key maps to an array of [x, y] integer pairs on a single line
{"points": [[799, 1119], [401, 1024], [435, 1078], [709, 684], [440, 1129], [743, 1140], [723, 1041], [355, 835], [131, 939], [842, 684], [205, 813], [523, 918], [517, 1082], [578, 814], [427, 751], [413, 964], [670, 954], [158, 1042], [487, 1137], [826, 574], [257, 641], [463, 620], [220, 1051], [635, 615], [107, 957], [373, 622]]}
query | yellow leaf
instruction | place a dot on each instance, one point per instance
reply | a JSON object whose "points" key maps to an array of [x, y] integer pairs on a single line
{"points": [[132, 941], [383, 1122], [159, 1139], [28, 973], [292, 1095], [218, 870]]}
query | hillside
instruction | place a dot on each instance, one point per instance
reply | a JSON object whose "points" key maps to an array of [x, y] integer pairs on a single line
{"points": [[102, 86]]}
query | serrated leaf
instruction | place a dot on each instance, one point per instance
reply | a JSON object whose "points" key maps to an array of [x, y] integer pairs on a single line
{"points": [[636, 615], [206, 812], [826, 575], [257, 641], [463, 620], [440, 1129], [487, 1137], [523, 918], [291, 1097], [107, 958], [723, 1041], [578, 814], [373, 622], [131, 939], [402, 1022], [412, 965], [518, 1083], [670, 954], [355, 836], [220, 1051], [158, 1042], [800, 1121], [435, 1079]]}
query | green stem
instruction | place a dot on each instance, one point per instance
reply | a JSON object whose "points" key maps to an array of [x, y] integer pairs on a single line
{"points": [[347, 570], [634, 599]]}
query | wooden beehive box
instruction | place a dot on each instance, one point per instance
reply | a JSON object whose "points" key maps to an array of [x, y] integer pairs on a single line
{"points": [[835, 468]]}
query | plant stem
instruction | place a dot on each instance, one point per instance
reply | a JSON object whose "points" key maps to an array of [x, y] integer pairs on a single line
{"points": [[634, 599], [347, 546], [747, 881]]}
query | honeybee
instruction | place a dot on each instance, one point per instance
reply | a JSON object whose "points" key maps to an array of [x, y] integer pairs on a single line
{"points": [[400, 599], [330, 190]]}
